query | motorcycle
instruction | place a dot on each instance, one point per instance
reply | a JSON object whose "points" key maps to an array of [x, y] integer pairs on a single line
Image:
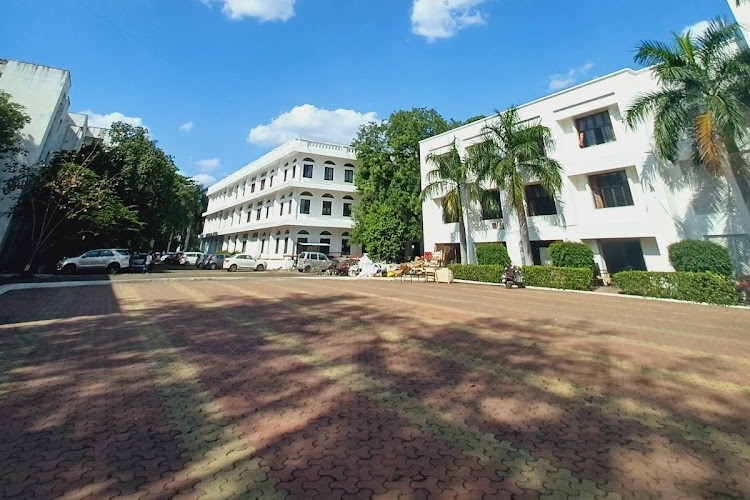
{"points": [[513, 276]]}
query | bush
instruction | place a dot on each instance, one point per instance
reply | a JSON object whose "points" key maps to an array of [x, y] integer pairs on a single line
{"points": [[695, 287], [544, 276], [697, 256], [571, 254], [566, 278], [477, 272], [492, 254]]}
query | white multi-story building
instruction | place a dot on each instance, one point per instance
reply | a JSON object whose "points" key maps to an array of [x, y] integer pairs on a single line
{"points": [[297, 197], [617, 196], [43, 92]]}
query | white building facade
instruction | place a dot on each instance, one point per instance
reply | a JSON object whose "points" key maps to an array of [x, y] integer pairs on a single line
{"points": [[300, 196], [621, 200], [43, 92]]}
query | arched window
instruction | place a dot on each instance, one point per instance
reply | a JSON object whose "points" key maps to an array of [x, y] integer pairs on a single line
{"points": [[325, 233], [309, 159], [329, 162], [348, 165], [347, 197], [303, 232], [327, 195], [305, 193]]}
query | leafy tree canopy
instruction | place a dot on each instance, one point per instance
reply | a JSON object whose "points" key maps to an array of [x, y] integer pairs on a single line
{"points": [[388, 157], [12, 120]]}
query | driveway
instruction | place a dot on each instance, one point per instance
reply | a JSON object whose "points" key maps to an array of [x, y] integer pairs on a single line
{"points": [[329, 388]]}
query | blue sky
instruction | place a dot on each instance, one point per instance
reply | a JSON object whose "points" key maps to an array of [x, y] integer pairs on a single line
{"points": [[219, 82]]}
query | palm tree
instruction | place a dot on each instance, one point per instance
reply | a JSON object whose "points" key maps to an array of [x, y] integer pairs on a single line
{"points": [[704, 97], [514, 152], [452, 179]]}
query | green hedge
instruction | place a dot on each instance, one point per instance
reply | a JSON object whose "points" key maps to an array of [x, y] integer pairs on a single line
{"points": [[571, 254], [544, 276], [566, 278], [477, 272], [492, 254], [698, 256], [695, 287]]}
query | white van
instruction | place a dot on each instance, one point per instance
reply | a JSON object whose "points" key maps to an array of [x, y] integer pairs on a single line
{"points": [[192, 257]]}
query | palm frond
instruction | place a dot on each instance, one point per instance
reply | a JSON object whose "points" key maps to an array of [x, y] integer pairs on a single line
{"points": [[709, 144]]}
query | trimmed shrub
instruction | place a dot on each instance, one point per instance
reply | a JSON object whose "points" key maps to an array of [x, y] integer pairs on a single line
{"points": [[477, 272], [566, 278], [571, 254], [695, 287], [492, 254], [698, 256]]}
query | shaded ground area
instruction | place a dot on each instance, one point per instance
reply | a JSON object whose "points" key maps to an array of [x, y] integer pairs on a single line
{"points": [[286, 387]]}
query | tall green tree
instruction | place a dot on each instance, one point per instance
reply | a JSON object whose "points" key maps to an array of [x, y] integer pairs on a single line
{"points": [[12, 119], [389, 173], [514, 152], [704, 98], [452, 180]]}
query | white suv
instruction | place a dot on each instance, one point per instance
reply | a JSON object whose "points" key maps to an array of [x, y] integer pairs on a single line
{"points": [[110, 259], [313, 261]]}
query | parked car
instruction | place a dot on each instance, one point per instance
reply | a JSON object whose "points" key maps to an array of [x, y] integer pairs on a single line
{"points": [[110, 259], [213, 262], [137, 262], [192, 257], [314, 261], [244, 262]]}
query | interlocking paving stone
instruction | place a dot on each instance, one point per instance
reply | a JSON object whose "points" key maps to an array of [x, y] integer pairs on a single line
{"points": [[355, 389]]}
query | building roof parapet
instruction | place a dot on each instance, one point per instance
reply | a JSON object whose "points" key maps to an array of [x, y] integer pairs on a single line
{"points": [[291, 146]]}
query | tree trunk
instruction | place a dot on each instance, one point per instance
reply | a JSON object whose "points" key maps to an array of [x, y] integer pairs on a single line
{"points": [[467, 242], [523, 233], [462, 241], [169, 241], [187, 239]]}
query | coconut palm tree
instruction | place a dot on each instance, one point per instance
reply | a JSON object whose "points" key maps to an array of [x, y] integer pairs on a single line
{"points": [[704, 96], [452, 180], [512, 153]]}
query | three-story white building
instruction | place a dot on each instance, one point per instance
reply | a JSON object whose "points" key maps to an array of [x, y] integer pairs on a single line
{"points": [[297, 197], [617, 196]]}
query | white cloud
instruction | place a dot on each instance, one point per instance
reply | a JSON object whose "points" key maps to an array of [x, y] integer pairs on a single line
{"points": [[204, 180], [106, 121], [696, 30], [208, 164], [562, 80], [186, 127], [264, 10], [435, 19], [310, 122]]}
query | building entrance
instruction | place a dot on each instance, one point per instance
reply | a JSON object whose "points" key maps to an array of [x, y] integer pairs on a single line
{"points": [[622, 255]]}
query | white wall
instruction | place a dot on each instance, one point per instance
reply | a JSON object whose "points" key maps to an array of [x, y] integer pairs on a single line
{"points": [[661, 213]]}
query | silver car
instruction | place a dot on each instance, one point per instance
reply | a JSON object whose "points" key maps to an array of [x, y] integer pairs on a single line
{"points": [[313, 261], [113, 260]]}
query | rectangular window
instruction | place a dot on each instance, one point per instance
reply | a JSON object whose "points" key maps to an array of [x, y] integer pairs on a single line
{"points": [[270, 182], [252, 187], [307, 171], [286, 244], [594, 129], [249, 215], [285, 174], [257, 214], [263, 244], [348, 175], [278, 242], [294, 171], [347, 209], [345, 248], [281, 210], [611, 190], [326, 208], [325, 240], [491, 207], [290, 208], [329, 174], [262, 184], [304, 206], [268, 211], [538, 201]]}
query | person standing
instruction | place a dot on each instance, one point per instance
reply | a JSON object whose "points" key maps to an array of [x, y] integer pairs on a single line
{"points": [[149, 263]]}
